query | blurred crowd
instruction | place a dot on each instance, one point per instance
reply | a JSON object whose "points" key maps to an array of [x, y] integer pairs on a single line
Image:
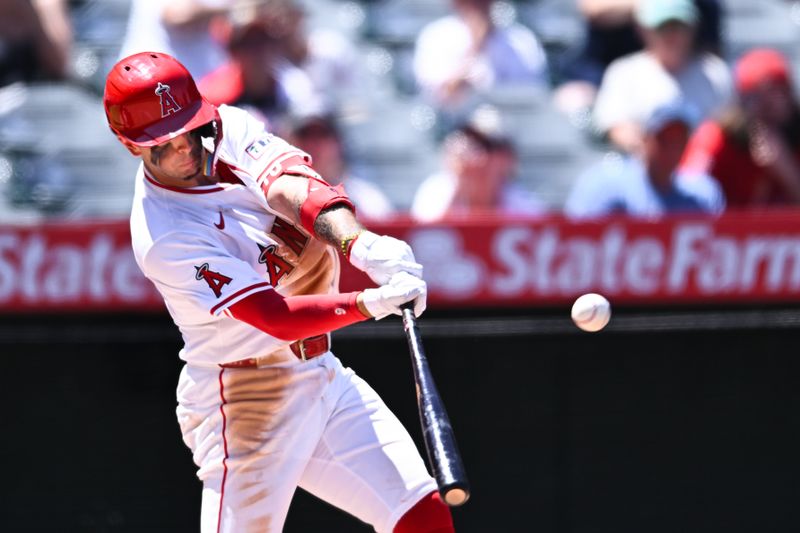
{"points": [[669, 118]]}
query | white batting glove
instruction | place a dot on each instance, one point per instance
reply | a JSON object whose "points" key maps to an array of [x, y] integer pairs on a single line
{"points": [[381, 256], [387, 299]]}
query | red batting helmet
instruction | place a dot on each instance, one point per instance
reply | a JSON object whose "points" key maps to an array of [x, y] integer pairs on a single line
{"points": [[151, 98]]}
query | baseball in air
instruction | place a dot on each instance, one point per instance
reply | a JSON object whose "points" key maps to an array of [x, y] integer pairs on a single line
{"points": [[591, 312]]}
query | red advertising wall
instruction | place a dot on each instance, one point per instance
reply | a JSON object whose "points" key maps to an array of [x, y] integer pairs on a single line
{"points": [[71, 266], [487, 261]]}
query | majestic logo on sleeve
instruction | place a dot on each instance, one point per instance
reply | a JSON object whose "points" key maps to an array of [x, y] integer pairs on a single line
{"points": [[215, 280], [277, 266], [256, 148], [168, 103]]}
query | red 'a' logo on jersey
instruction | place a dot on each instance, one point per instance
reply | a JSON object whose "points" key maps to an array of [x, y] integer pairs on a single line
{"points": [[215, 280], [290, 235], [168, 103], [277, 266]]}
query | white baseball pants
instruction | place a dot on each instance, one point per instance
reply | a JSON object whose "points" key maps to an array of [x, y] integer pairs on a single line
{"points": [[258, 433]]}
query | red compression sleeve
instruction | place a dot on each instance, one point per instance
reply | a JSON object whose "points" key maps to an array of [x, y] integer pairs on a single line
{"points": [[297, 317]]}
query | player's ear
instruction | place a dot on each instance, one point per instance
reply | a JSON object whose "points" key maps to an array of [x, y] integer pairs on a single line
{"points": [[132, 148]]}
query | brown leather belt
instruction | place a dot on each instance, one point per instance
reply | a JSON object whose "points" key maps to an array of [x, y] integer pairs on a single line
{"points": [[303, 349]]}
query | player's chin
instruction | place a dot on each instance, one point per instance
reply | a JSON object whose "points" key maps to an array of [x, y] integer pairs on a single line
{"points": [[190, 173]]}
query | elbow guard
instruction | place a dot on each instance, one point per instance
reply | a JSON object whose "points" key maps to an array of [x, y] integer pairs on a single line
{"points": [[321, 195]]}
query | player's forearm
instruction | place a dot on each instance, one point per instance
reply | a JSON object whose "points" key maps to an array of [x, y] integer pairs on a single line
{"points": [[336, 223], [298, 317], [289, 195]]}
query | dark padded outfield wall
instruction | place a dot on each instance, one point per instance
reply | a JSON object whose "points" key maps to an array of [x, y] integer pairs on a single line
{"points": [[688, 422]]}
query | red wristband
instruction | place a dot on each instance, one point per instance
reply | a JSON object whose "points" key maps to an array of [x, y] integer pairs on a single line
{"points": [[348, 241]]}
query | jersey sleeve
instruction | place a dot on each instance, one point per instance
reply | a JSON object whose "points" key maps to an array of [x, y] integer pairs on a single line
{"points": [[195, 275], [257, 155]]}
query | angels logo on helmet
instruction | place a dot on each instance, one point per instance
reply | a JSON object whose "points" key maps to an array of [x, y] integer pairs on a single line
{"points": [[168, 103]]}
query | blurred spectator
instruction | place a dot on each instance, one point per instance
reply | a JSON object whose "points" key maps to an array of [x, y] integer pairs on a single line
{"points": [[257, 77], [648, 186], [327, 57], [319, 136], [180, 28], [466, 52], [753, 149], [35, 40], [480, 162], [667, 69], [611, 33]]}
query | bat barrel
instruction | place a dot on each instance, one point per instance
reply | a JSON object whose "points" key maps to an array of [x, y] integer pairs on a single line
{"points": [[440, 442]]}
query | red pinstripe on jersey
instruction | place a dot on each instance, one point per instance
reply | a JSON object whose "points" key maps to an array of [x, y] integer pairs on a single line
{"points": [[224, 447], [237, 294]]}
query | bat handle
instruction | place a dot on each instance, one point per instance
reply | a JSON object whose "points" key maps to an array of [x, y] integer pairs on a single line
{"points": [[410, 322]]}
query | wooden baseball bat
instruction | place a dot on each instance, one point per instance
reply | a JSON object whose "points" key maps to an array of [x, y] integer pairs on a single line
{"points": [[440, 442]]}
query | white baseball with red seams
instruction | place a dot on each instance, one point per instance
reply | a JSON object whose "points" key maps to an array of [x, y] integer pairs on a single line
{"points": [[591, 312]]}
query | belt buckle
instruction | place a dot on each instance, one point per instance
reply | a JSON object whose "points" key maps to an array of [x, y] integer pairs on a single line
{"points": [[302, 344]]}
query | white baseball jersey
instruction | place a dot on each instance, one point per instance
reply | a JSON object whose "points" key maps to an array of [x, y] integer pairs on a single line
{"points": [[258, 433], [208, 247]]}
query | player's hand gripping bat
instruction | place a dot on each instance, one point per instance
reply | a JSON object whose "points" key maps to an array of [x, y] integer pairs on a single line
{"points": [[440, 442]]}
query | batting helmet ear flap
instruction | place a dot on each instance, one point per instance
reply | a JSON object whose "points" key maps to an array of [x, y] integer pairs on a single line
{"points": [[208, 130]]}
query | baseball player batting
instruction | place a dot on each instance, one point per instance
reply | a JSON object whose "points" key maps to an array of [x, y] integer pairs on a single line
{"points": [[242, 238]]}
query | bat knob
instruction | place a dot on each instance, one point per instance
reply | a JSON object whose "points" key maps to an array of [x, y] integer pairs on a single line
{"points": [[455, 496]]}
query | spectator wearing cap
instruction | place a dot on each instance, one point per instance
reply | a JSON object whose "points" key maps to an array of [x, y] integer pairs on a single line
{"points": [[753, 149], [465, 52], [647, 185], [319, 136], [479, 165], [257, 76], [611, 33], [669, 68]]}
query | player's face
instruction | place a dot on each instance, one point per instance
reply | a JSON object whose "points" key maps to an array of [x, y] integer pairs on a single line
{"points": [[177, 162]]}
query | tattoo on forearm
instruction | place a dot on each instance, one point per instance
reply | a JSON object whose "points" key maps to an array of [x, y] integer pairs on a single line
{"points": [[334, 223]]}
